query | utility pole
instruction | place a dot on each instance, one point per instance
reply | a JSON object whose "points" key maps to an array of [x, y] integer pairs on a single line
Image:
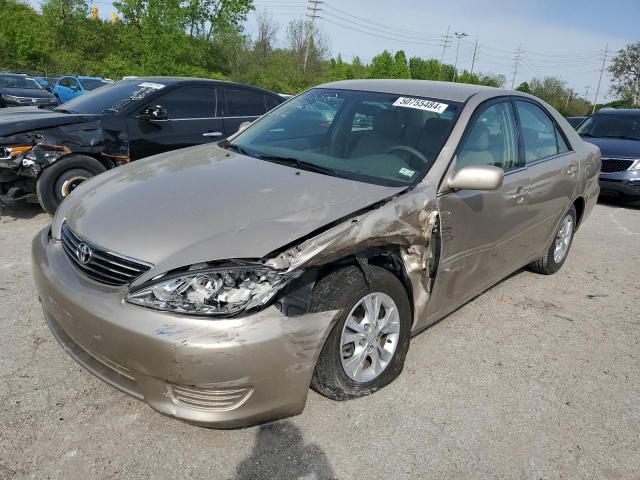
{"points": [[586, 91], [459, 36], [445, 41], [475, 52], [312, 14], [566, 105], [516, 59], [604, 60]]}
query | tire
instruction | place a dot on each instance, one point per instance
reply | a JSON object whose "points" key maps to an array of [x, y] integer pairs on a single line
{"points": [[58, 180], [345, 289], [550, 263]]}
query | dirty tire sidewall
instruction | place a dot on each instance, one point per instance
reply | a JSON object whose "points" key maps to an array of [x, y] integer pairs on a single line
{"points": [[48, 186], [547, 264], [342, 289]]}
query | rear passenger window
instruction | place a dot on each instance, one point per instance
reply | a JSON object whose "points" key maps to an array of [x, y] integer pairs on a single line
{"points": [[189, 102], [242, 103], [540, 136], [492, 139]]}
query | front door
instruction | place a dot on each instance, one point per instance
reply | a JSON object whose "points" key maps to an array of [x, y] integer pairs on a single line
{"points": [[482, 231], [192, 120]]}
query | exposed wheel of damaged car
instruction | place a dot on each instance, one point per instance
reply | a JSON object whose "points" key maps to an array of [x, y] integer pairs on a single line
{"points": [[60, 179], [218, 283], [366, 349]]}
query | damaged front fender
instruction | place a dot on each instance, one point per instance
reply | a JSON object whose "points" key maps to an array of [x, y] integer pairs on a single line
{"points": [[406, 221]]}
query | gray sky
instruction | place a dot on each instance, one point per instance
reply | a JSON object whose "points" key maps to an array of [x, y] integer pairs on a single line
{"points": [[564, 38]]}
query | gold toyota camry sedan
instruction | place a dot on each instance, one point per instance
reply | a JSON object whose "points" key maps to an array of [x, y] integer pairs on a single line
{"points": [[219, 283]]}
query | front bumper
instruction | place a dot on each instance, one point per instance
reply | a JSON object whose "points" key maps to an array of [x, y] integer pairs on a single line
{"points": [[221, 373], [626, 183]]}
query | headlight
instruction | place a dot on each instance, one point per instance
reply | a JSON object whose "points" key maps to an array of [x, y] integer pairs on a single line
{"points": [[13, 98], [635, 165], [219, 291], [7, 153]]}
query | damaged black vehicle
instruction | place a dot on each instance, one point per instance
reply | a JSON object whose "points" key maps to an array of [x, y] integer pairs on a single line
{"points": [[46, 154]]}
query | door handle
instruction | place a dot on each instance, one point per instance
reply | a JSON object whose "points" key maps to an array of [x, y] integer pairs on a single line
{"points": [[521, 194], [212, 134], [571, 169]]}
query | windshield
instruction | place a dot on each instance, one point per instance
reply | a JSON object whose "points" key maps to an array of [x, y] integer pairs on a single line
{"points": [[612, 126], [92, 83], [112, 97], [18, 81], [386, 139]]}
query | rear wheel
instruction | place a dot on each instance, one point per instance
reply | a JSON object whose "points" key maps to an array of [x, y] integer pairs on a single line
{"points": [[557, 253], [61, 178], [367, 347]]}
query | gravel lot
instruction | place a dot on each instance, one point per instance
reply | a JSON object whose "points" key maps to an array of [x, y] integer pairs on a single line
{"points": [[537, 378]]}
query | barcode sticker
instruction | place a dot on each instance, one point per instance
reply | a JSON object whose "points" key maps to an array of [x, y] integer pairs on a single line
{"points": [[420, 104]]}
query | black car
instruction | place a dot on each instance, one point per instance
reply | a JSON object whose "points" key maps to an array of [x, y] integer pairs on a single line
{"points": [[45, 154], [617, 133], [18, 90], [575, 121]]}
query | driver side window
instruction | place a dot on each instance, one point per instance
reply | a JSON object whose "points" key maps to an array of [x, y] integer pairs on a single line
{"points": [[492, 139]]}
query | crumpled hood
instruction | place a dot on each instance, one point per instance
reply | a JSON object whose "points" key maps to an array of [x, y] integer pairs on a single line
{"points": [[616, 147], [22, 119], [205, 203]]}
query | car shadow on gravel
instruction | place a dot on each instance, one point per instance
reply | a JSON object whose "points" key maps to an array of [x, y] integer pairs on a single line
{"points": [[281, 452], [19, 211]]}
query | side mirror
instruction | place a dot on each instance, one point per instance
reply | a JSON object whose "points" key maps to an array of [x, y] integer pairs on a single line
{"points": [[477, 177], [75, 88], [243, 126], [154, 112]]}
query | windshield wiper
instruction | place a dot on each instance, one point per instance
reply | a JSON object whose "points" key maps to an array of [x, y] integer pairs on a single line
{"points": [[227, 145], [295, 162], [64, 110]]}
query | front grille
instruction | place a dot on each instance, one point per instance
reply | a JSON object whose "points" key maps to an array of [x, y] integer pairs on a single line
{"points": [[204, 398], [99, 264], [610, 165]]}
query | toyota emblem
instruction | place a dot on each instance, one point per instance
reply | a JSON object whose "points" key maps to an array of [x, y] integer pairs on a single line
{"points": [[84, 253]]}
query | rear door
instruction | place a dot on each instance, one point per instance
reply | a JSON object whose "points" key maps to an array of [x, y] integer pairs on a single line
{"points": [[242, 105], [552, 171], [192, 120], [481, 231]]}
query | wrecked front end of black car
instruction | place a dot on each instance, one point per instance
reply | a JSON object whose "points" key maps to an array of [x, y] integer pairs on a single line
{"points": [[33, 140]]}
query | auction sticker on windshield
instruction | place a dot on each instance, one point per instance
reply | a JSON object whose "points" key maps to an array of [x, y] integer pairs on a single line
{"points": [[420, 104]]}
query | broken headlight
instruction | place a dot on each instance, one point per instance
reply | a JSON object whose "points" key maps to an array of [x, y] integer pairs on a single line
{"points": [[7, 153], [220, 291]]}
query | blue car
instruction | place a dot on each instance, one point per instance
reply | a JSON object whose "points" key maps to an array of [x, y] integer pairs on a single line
{"points": [[617, 133], [72, 86]]}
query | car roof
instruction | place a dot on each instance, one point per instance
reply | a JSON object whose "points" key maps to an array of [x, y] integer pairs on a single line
{"points": [[7, 74], [187, 80], [618, 111], [455, 92]]}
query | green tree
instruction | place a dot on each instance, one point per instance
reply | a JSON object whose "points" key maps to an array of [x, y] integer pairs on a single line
{"points": [[524, 87], [625, 70], [400, 67], [382, 66]]}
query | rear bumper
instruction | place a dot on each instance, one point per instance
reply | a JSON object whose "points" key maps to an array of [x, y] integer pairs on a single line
{"points": [[219, 373], [625, 183]]}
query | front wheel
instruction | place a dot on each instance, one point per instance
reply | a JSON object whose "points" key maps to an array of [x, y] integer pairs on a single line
{"points": [[367, 347], [61, 178], [557, 253]]}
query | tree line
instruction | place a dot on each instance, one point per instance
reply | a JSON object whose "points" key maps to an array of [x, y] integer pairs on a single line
{"points": [[206, 38]]}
